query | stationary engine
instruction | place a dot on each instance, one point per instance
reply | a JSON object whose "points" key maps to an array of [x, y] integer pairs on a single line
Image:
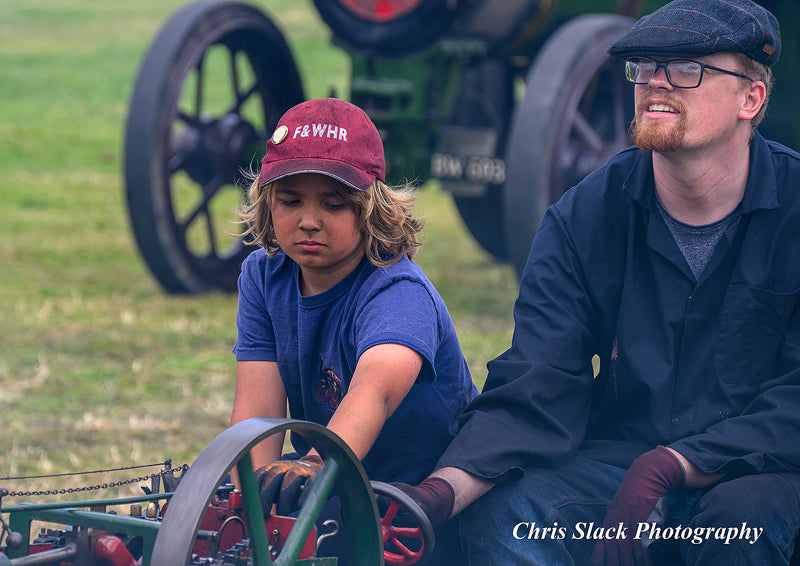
{"points": [[201, 520]]}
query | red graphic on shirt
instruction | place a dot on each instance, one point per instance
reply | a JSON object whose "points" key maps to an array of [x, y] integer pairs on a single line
{"points": [[330, 389]]}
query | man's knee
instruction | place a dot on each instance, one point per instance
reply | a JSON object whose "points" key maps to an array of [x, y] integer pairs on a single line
{"points": [[755, 499], [759, 516]]}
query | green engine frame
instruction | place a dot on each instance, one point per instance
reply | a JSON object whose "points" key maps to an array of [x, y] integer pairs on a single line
{"points": [[170, 541]]}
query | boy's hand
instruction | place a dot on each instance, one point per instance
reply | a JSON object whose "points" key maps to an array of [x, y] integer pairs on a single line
{"points": [[651, 476], [282, 483]]}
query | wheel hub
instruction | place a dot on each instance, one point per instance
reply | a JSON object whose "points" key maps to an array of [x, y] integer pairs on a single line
{"points": [[217, 147]]}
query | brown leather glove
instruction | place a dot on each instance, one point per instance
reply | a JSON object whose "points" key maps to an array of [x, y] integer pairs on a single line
{"points": [[435, 496], [283, 483]]}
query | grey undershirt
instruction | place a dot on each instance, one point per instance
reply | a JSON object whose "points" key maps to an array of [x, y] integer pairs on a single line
{"points": [[697, 243]]}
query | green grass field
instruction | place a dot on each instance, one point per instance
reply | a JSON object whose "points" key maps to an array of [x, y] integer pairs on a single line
{"points": [[98, 367]]}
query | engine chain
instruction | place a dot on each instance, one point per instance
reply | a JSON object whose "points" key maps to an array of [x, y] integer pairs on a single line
{"points": [[166, 469]]}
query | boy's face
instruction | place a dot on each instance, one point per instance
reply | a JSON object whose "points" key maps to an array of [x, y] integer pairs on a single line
{"points": [[317, 228]]}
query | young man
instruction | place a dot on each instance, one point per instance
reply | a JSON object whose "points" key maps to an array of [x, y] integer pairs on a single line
{"points": [[675, 264]]}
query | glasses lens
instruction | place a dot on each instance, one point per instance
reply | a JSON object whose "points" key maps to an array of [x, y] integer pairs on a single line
{"points": [[681, 73], [684, 74], [638, 70]]}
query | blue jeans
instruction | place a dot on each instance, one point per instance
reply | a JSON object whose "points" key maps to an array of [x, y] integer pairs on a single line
{"points": [[549, 517], [768, 501]]}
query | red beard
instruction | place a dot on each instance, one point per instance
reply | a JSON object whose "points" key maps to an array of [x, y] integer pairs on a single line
{"points": [[653, 135]]}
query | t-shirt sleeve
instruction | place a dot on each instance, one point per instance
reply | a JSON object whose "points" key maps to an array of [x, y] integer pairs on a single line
{"points": [[401, 313], [256, 337]]}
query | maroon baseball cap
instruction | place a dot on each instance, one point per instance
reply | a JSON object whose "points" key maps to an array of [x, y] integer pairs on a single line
{"points": [[327, 136]]}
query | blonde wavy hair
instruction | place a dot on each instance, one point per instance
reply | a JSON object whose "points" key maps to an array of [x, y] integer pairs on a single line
{"points": [[383, 215]]}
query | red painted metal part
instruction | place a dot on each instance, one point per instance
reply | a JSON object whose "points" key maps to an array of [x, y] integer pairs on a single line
{"points": [[381, 10], [392, 537], [109, 550]]}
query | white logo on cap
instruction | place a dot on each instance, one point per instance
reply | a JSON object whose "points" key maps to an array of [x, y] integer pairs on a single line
{"points": [[279, 134], [321, 131]]}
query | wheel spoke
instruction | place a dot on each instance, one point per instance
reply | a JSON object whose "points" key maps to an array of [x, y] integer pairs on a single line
{"points": [[406, 556], [176, 163], [191, 121], [587, 133], [198, 87], [212, 241], [234, 74], [209, 190], [406, 532], [318, 493], [386, 520], [253, 513], [241, 99]]}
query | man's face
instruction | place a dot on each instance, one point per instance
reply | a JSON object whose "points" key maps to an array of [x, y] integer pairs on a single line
{"points": [[670, 119]]}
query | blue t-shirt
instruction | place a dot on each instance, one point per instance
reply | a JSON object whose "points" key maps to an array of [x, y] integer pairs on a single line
{"points": [[317, 341]]}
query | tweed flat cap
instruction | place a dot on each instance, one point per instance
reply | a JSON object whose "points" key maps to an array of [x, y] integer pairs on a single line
{"points": [[693, 28]]}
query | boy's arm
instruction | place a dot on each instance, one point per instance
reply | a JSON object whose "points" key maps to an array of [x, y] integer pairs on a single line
{"points": [[383, 377], [260, 393]]}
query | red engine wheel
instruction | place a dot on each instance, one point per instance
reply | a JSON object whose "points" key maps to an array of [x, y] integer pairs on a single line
{"points": [[395, 537], [403, 545]]}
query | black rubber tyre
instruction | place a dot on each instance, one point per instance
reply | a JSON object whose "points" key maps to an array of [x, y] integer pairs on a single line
{"points": [[573, 117], [208, 94], [387, 26]]}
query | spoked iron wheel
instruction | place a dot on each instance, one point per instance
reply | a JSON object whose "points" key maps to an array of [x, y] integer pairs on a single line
{"points": [[208, 93], [573, 117], [387, 26], [342, 471]]}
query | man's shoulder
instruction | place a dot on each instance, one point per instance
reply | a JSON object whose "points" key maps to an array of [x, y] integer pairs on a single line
{"points": [[623, 162], [615, 171], [778, 149], [605, 186]]}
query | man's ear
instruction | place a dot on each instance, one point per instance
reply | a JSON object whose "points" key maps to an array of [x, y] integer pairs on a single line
{"points": [[754, 97]]}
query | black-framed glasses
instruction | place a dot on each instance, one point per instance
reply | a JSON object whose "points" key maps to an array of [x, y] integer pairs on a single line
{"points": [[681, 73]]}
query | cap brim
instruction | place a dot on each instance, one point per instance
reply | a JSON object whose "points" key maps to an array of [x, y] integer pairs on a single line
{"points": [[351, 176], [650, 51]]}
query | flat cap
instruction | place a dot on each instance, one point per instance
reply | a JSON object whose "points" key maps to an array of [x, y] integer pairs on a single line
{"points": [[693, 28]]}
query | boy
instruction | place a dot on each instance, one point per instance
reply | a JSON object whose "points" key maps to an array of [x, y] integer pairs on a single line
{"points": [[334, 316]]}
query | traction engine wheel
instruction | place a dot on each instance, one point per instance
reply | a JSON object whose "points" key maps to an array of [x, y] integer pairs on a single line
{"points": [[342, 471], [573, 117], [211, 88], [387, 26]]}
